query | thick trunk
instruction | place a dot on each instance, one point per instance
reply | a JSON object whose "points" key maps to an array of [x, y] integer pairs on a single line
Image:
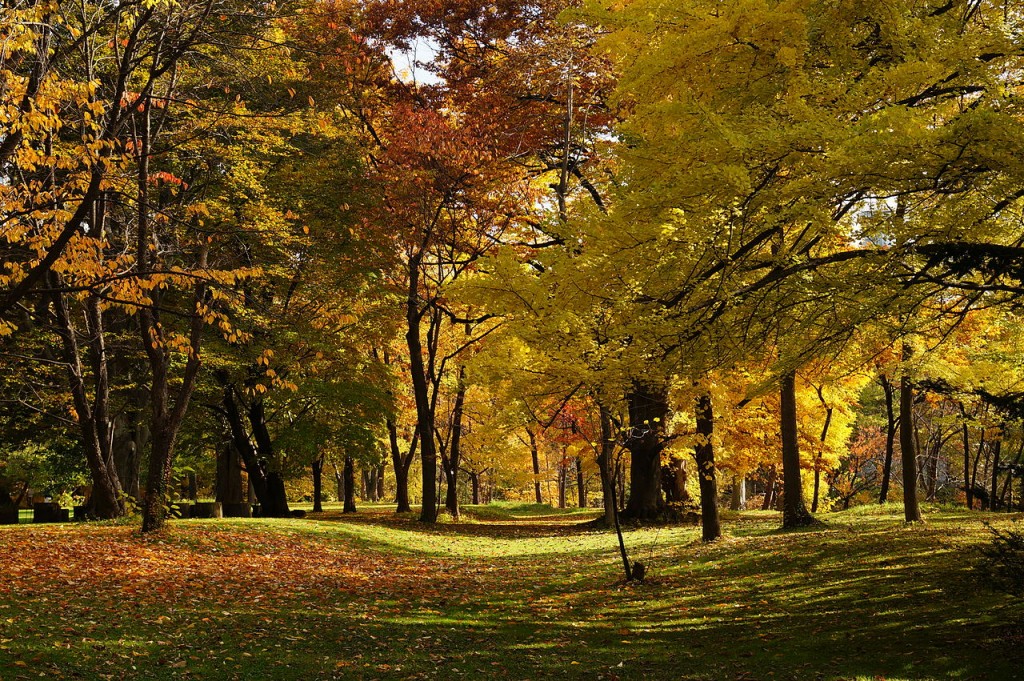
{"points": [[229, 488], [794, 512], [381, 468], [474, 480], [339, 483], [908, 458], [673, 481], [648, 409], [535, 455], [706, 474], [890, 438], [738, 500], [318, 484], [350, 486]]}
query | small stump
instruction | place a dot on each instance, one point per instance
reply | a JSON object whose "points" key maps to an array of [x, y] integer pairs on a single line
{"points": [[47, 513], [208, 509], [81, 514], [181, 510], [239, 510], [8, 515]]}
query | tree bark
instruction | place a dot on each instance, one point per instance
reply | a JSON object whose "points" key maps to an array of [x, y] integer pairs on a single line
{"points": [[581, 484], [94, 424], [451, 465], [968, 487], [401, 464], [707, 475], [229, 476], [648, 409], [350, 486], [738, 499], [769, 489], [794, 512], [890, 437], [997, 448], [604, 463], [318, 484], [535, 455], [908, 457]]}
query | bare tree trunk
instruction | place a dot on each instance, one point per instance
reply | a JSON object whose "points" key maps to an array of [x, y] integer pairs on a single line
{"points": [[535, 454], [794, 512], [911, 509], [648, 409], [318, 484], [707, 476], [968, 487], [890, 437], [604, 463], [581, 484], [769, 490], [451, 472], [350, 486], [997, 448]]}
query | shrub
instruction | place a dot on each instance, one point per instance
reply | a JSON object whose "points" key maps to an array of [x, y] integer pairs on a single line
{"points": [[1003, 565]]}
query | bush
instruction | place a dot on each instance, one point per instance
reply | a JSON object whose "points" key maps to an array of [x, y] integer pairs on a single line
{"points": [[1003, 566]]}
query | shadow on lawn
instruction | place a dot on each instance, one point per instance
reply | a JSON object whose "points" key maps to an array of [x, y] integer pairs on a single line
{"points": [[537, 527]]}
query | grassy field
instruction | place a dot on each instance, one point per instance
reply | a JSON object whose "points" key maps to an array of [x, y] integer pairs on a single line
{"points": [[508, 592]]}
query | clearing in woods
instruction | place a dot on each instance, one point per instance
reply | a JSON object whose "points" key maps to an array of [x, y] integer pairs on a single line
{"points": [[511, 592]]}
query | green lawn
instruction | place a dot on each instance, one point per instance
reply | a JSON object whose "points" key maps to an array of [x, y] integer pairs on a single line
{"points": [[516, 592]]}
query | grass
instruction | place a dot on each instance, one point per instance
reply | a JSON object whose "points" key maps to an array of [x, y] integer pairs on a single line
{"points": [[520, 592]]}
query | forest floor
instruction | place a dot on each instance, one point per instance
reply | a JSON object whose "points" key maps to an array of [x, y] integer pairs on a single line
{"points": [[508, 592]]}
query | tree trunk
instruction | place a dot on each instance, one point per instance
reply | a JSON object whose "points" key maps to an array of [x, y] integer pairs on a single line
{"points": [[350, 486], [474, 479], [94, 424], [648, 409], [339, 483], [451, 472], [381, 469], [166, 417], [890, 437], [769, 490], [581, 484], [794, 512], [821, 447], [318, 484], [908, 458], [536, 466], [968, 487], [562, 471], [707, 476], [738, 501], [229, 476], [604, 463], [421, 393], [997, 448], [275, 505], [401, 464]]}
